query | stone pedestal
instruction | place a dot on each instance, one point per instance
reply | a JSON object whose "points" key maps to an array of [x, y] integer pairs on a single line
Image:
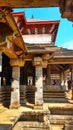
{"points": [[15, 93], [39, 87]]}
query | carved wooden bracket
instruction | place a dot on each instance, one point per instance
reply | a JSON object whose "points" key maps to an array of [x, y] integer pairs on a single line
{"points": [[66, 9], [17, 62], [38, 61]]}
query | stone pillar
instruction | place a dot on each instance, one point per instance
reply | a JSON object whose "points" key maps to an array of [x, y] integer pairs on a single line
{"points": [[62, 79], [72, 80], [0, 67], [38, 83], [48, 78], [65, 81], [15, 93]]}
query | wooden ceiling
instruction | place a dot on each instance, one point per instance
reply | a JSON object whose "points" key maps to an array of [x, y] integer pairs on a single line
{"points": [[28, 3]]}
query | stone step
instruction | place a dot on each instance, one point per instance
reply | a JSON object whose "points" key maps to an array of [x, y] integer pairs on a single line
{"points": [[61, 119], [55, 100], [53, 96], [61, 110]]}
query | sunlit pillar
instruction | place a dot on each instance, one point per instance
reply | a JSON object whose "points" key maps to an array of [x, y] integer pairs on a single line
{"points": [[38, 82], [15, 93], [15, 86]]}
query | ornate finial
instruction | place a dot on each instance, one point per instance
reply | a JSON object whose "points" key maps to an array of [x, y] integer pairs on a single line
{"points": [[32, 16]]}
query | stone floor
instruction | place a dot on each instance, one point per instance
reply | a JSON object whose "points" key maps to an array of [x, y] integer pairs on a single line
{"points": [[10, 116]]}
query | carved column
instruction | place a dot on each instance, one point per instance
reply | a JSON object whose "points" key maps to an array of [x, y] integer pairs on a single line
{"points": [[38, 82], [48, 78], [15, 93], [0, 67], [65, 80], [62, 78], [15, 86]]}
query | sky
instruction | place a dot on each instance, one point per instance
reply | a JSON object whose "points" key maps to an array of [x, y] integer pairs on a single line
{"points": [[65, 32]]}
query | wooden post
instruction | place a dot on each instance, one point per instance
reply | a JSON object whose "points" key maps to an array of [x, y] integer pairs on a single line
{"points": [[72, 80], [0, 67]]}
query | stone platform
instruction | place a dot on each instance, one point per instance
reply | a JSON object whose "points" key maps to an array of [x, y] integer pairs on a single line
{"points": [[9, 117]]}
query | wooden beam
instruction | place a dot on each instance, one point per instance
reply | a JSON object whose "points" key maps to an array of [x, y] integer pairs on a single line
{"points": [[61, 61], [17, 35], [9, 52], [3, 44], [57, 67], [28, 3], [61, 67]]}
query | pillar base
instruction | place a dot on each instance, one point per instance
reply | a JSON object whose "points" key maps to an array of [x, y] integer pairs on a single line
{"points": [[14, 105], [40, 107]]}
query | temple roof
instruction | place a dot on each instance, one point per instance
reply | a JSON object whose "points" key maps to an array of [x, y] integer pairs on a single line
{"points": [[31, 38], [63, 53], [41, 48], [36, 26], [59, 52]]}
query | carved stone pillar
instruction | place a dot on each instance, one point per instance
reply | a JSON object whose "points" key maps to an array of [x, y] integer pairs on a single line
{"points": [[38, 83], [65, 80], [0, 68], [15, 93], [15, 86], [62, 78], [48, 78]]}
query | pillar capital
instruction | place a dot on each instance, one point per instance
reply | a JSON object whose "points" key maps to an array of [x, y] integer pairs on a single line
{"points": [[38, 61], [17, 62]]}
